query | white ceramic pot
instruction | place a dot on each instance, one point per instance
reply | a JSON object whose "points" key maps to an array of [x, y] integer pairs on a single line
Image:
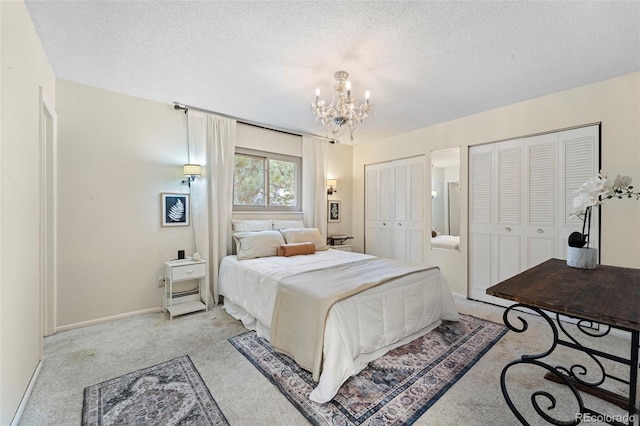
{"points": [[582, 257]]}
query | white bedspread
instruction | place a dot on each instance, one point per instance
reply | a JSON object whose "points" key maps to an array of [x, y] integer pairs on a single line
{"points": [[358, 329], [450, 242]]}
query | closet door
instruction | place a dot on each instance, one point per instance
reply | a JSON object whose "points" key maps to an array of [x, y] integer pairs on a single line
{"points": [[509, 187], [579, 161], [379, 210], [372, 209], [541, 177], [395, 209], [416, 206], [385, 227], [481, 219], [400, 203]]}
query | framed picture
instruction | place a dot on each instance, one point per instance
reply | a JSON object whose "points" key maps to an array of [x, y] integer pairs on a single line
{"points": [[175, 209], [333, 211]]}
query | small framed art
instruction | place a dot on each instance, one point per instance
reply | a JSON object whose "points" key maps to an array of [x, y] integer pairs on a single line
{"points": [[333, 211], [175, 209]]}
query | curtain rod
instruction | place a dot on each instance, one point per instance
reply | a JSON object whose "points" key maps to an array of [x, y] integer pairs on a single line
{"points": [[182, 107]]}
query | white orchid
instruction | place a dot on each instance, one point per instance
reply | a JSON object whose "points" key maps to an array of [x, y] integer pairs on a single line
{"points": [[592, 193]]}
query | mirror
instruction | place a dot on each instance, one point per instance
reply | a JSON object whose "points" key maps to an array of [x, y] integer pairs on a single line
{"points": [[445, 199]]}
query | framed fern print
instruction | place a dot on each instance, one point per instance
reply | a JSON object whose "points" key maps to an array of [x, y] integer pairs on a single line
{"points": [[175, 209]]}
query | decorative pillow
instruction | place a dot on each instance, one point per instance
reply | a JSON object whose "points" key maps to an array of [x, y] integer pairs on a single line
{"points": [[252, 225], [284, 224], [304, 235], [295, 249], [252, 244]]}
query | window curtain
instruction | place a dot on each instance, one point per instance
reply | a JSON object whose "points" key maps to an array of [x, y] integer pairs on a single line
{"points": [[314, 178], [212, 141]]}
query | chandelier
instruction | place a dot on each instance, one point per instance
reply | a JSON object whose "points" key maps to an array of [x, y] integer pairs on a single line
{"points": [[343, 112]]}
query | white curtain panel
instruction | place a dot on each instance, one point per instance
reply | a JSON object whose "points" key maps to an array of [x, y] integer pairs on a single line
{"points": [[212, 141], [314, 178]]}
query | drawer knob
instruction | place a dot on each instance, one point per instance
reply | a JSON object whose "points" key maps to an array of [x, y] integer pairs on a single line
{"points": [[540, 231], [189, 271], [508, 229]]}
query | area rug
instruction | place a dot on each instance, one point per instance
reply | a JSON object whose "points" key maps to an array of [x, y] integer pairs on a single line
{"points": [[171, 393], [395, 389]]}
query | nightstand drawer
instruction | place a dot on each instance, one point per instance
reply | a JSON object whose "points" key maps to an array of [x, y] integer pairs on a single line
{"points": [[188, 272]]}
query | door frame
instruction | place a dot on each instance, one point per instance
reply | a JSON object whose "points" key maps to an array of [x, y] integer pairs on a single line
{"points": [[48, 214]]}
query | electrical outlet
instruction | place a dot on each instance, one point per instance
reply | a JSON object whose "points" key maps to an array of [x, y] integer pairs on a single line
{"points": [[160, 281]]}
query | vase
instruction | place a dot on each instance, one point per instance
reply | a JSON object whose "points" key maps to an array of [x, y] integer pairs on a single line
{"points": [[582, 257]]}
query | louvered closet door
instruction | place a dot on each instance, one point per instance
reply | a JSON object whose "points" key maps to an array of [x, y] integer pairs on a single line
{"points": [[385, 223], [579, 161], [379, 210], [400, 203], [416, 210], [541, 177], [509, 189], [481, 213], [372, 212]]}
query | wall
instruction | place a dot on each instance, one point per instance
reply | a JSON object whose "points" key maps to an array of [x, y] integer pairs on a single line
{"points": [[24, 69], [117, 154], [340, 163], [614, 102]]}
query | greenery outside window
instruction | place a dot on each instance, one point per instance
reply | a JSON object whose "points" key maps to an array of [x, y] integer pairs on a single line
{"points": [[264, 181]]}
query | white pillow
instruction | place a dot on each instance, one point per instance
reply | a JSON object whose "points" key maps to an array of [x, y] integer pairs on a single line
{"points": [[284, 224], [252, 244], [303, 235], [252, 225]]}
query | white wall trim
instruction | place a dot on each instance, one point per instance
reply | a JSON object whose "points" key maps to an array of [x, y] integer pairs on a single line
{"points": [[460, 296], [27, 395], [106, 319]]}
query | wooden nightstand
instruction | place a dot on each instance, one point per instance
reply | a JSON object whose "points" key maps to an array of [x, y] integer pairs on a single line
{"points": [[178, 303]]}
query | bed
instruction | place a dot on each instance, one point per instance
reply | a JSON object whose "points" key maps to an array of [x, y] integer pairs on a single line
{"points": [[408, 301], [450, 242]]}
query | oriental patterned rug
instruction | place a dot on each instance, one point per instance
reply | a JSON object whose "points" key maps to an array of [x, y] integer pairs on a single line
{"points": [[171, 393], [395, 389]]}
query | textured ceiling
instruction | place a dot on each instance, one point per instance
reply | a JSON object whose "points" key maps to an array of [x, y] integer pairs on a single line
{"points": [[423, 62]]}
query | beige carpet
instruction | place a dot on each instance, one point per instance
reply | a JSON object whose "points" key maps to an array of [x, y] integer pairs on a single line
{"points": [[79, 358]]}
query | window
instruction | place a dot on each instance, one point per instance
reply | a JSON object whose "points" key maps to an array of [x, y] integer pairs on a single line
{"points": [[266, 181]]}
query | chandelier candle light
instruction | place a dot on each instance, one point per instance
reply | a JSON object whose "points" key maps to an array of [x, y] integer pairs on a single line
{"points": [[343, 112], [592, 193]]}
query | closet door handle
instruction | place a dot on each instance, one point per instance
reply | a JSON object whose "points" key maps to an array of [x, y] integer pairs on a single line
{"points": [[540, 231], [384, 223], [508, 229], [399, 224]]}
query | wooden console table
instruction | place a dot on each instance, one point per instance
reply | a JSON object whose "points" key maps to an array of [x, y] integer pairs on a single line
{"points": [[608, 296]]}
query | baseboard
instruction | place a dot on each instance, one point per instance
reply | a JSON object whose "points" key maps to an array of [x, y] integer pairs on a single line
{"points": [[27, 395], [106, 319], [459, 296]]}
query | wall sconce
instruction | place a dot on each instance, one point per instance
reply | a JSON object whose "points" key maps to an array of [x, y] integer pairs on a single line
{"points": [[191, 172], [434, 194], [332, 186]]}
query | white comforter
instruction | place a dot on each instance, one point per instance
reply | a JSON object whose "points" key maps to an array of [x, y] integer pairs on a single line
{"points": [[358, 329]]}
